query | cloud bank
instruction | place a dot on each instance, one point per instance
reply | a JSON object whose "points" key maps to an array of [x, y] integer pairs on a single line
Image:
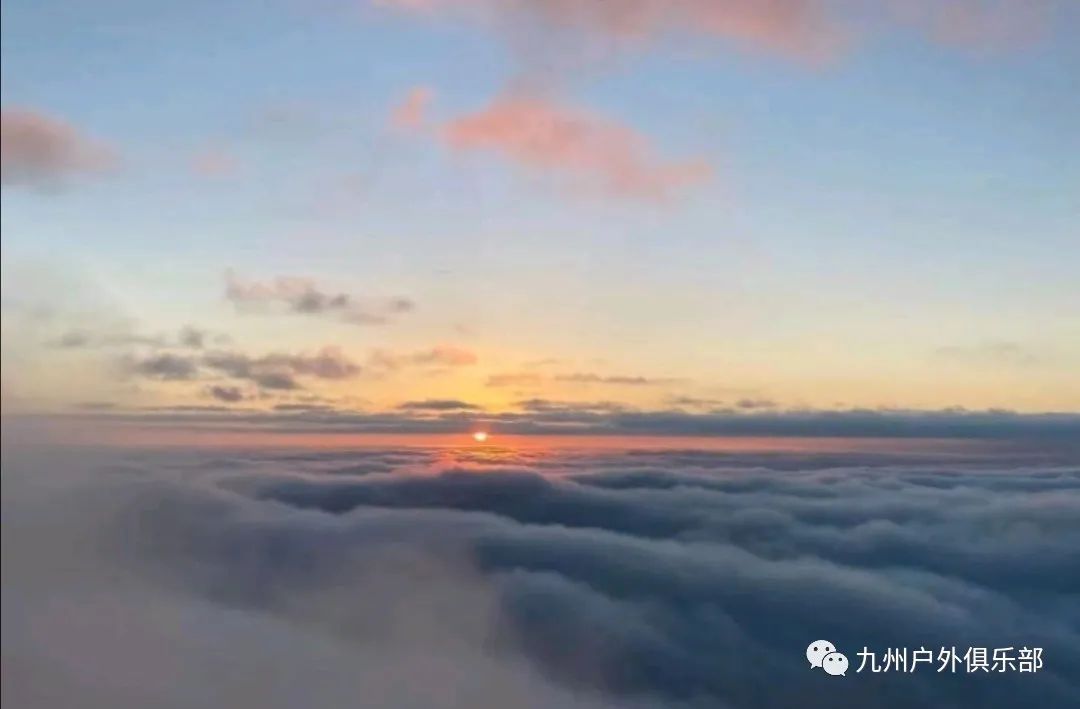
{"points": [[411, 577]]}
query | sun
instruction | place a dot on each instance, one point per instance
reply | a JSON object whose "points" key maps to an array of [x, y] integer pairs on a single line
{"points": [[480, 436]]}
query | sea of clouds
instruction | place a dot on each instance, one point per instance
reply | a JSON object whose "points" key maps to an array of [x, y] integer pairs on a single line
{"points": [[424, 577]]}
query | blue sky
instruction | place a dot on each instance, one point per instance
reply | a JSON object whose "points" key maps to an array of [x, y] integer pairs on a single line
{"points": [[892, 226]]}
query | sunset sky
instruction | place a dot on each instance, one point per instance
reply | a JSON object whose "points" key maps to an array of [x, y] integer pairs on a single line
{"points": [[417, 214]]}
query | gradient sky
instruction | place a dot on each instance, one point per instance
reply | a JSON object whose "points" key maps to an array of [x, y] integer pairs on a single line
{"points": [[689, 206]]}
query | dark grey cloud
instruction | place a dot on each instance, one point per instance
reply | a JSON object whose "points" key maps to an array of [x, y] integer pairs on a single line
{"points": [[303, 296], [438, 405], [543, 416], [547, 406], [535, 578], [165, 366], [229, 394]]}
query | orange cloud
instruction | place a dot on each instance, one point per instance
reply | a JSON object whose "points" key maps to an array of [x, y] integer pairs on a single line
{"points": [[39, 150], [540, 134], [438, 356], [411, 113]]}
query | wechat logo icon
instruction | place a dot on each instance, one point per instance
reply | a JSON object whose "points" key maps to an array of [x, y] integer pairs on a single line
{"points": [[823, 654]]}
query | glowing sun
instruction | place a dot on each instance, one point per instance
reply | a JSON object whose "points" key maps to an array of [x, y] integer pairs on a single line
{"points": [[480, 436]]}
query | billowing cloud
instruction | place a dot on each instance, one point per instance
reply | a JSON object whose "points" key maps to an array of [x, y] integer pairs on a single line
{"points": [[37, 150], [303, 296], [531, 579], [543, 135]]}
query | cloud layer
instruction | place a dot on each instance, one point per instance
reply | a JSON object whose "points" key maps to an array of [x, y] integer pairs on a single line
{"points": [[530, 578]]}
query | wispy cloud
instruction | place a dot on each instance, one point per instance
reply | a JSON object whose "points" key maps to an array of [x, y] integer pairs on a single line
{"points": [[438, 405], [437, 356], [793, 27], [411, 113], [540, 134], [992, 353], [303, 296], [613, 379]]}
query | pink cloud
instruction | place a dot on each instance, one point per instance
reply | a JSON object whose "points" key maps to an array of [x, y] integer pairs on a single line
{"points": [[43, 151], [411, 113], [544, 135], [803, 28], [790, 26], [215, 162]]}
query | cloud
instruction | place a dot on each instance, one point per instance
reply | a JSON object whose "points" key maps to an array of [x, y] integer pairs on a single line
{"points": [[302, 296], [515, 379], [166, 366], [793, 27], [188, 337], [534, 379], [276, 371], [748, 403], [438, 356], [45, 152], [531, 578], [228, 394], [192, 337], [549, 406], [411, 113], [439, 405], [992, 353], [215, 163], [547, 417], [279, 370], [619, 380], [542, 135], [800, 29]]}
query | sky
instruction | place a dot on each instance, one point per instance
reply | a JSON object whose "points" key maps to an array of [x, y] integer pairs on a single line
{"points": [[846, 217]]}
